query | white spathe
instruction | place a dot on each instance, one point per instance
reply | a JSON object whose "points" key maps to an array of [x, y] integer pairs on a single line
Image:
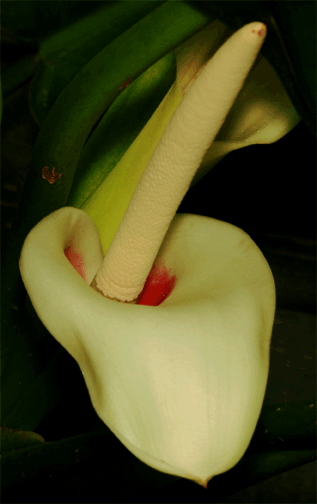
{"points": [[181, 384]]}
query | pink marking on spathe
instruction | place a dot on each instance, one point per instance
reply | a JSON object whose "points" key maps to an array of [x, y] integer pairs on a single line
{"points": [[158, 286], [75, 260]]}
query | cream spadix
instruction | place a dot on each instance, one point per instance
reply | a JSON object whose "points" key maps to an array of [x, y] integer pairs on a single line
{"points": [[260, 114], [168, 175], [182, 384]]}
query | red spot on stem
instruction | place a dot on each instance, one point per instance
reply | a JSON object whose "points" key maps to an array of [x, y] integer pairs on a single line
{"points": [[158, 286], [50, 177], [126, 84]]}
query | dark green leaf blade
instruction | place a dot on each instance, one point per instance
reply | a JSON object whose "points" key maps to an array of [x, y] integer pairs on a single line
{"points": [[67, 51]]}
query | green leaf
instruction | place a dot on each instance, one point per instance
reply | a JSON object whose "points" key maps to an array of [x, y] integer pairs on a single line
{"points": [[67, 51], [120, 126], [31, 21], [13, 440], [18, 73], [36, 372]]}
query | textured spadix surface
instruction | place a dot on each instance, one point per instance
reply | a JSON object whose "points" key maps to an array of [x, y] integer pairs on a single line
{"points": [[261, 113], [173, 164], [181, 385]]}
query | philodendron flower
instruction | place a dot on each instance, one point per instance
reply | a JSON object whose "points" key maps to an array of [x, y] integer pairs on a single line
{"points": [[180, 384]]}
